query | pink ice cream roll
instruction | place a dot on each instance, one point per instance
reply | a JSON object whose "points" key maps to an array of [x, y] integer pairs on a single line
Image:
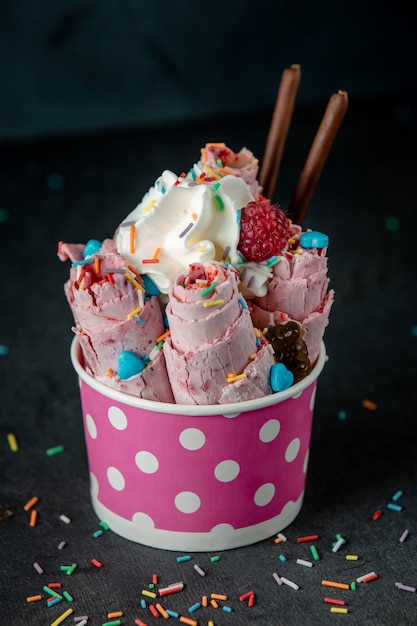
{"points": [[102, 305], [212, 336], [298, 291]]}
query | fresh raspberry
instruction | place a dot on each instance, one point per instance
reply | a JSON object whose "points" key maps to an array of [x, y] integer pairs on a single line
{"points": [[264, 231]]}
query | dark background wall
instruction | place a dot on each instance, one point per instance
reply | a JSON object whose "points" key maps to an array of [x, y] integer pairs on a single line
{"points": [[78, 65]]}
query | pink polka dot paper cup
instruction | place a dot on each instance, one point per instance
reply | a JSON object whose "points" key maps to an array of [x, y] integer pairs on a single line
{"points": [[197, 478]]}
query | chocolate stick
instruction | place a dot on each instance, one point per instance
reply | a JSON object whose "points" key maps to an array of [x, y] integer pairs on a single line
{"points": [[278, 131], [317, 157]]}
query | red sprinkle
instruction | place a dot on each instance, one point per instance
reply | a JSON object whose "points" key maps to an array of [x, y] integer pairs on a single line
{"points": [[153, 610], [377, 515], [307, 538], [96, 563], [246, 596], [334, 601], [370, 578], [54, 585]]}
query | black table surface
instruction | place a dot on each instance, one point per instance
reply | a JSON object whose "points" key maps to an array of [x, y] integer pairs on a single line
{"points": [[80, 187]]}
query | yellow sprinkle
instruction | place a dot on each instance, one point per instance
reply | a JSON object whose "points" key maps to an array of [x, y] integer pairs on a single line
{"points": [[148, 594], [233, 379], [62, 617], [352, 557], [252, 356], [134, 313], [156, 253], [256, 331], [150, 206], [212, 172], [291, 241], [213, 303], [210, 623], [336, 609], [133, 281], [14, 446], [298, 251]]}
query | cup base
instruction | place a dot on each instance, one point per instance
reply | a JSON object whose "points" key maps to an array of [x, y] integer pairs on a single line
{"points": [[222, 537]]}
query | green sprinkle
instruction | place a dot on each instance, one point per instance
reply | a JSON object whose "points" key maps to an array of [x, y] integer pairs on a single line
{"points": [[353, 586], [392, 223], [219, 162], [209, 289], [151, 586], [64, 568], [71, 569], [273, 261], [314, 553], [216, 186], [51, 592], [4, 215], [104, 525], [220, 203], [55, 450], [115, 622], [213, 559], [68, 597]]}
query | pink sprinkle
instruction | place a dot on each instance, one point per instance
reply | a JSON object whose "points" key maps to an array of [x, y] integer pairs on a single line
{"points": [[277, 578], [403, 536], [405, 587], [38, 568]]}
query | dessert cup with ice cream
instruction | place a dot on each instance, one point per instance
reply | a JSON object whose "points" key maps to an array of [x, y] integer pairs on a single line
{"points": [[199, 331]]}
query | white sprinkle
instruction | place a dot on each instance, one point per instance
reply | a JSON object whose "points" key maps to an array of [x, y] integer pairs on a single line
{"points": [[289, 583], [65, 519], [281, 536], [405, 587], [403, 536], [277, 578], [339, 543], [199, 570], [305, 563], [362, 578]]}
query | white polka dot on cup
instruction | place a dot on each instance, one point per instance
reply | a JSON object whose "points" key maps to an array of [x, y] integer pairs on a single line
{"points": [[269, 431], [226, 471], [187, 502], [147, 462], [192, 438], [264, 494], [292, 450], [91, 426], [115, 478], [117, 418]]}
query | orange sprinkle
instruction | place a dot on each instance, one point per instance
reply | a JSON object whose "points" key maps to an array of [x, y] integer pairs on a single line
{"points": [[162, 337], [115, 614], [214, 604], [330, 583], [218, 596], [110, 278], [187, 620], [194, 216], [368, 404], [156, 253], [110, 372], [204, 601], [33, 598], [33, 518], [162, 611], [132, 269], [278, 540], [97, 265], [29, 505], [132, 239], [204, 155], [212, 144]]}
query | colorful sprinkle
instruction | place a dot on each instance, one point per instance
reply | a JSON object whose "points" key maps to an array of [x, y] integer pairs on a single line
{"points": [[62, 617], [14, 446], [55, 450], [369, 405], [213, 303], [186, 229], [65, 519], [31, 503]]}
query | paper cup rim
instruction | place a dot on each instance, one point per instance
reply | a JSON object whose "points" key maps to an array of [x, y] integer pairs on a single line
{"points": [[197, 410]]}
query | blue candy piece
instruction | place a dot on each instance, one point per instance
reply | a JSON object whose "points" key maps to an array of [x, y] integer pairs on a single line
{"points": [[92, 247], [130, 364], [150, 288], [314, 239], [280, 377]]}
